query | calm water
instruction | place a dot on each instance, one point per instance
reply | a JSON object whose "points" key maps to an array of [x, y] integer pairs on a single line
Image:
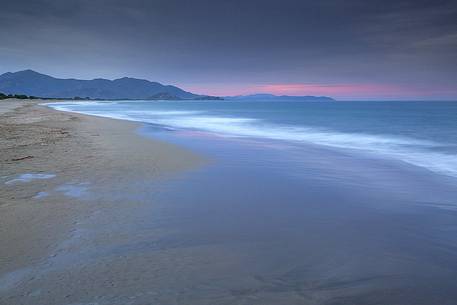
{"points": [[304, 203]]}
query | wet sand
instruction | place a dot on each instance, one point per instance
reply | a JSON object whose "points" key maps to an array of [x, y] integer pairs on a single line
{"points": [[87, 155]]}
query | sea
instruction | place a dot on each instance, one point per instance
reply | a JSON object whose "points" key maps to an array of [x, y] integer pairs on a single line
{"points": [[302, 202], [423, 134]]}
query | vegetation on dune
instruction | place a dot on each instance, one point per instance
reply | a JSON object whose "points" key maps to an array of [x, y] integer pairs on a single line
{"points": [[17, 96]]}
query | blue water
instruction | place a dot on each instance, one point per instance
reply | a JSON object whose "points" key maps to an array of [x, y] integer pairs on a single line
{"points": [[422, 134], [301, 203]]}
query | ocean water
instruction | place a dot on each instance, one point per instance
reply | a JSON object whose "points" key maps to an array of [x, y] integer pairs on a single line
{"points": [[301, 203], [423, 134]]}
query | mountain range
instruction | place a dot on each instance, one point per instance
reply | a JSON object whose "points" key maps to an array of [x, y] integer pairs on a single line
{"points": [[31, 83]]}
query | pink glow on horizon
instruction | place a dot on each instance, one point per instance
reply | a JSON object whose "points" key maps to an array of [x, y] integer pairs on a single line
{"points": [[338, 91], [317, 89]]}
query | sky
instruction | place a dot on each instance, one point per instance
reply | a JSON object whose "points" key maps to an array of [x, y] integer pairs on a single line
{"points": [[346, 49]]}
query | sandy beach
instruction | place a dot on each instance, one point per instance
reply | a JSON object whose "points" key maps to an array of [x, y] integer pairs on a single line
{"points": [[76, 156]]}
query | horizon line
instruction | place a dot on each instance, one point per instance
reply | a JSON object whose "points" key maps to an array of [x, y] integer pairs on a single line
{"points": [[279, 89]]}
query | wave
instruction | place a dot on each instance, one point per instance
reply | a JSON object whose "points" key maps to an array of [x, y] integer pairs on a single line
{"points": [[414, 151], [163, 112], [79, 103]]}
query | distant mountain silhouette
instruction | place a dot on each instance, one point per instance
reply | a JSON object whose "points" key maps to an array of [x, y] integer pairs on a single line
{"points": [[266, 96], [29, 82]]}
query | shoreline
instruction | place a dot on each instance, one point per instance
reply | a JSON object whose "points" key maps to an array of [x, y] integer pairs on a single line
{"points": [[265, 224], [81, 154]]}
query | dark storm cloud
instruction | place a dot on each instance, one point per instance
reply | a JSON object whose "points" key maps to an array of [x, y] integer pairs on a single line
{"points": [[223, 43]]}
